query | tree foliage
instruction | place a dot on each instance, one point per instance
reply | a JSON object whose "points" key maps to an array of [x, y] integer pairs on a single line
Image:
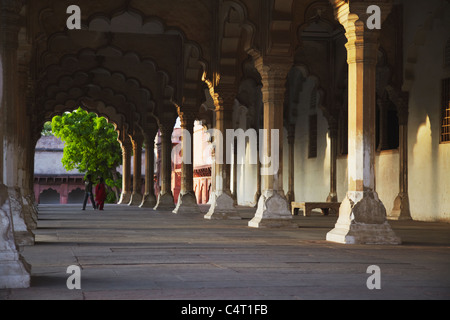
{"points": [[47, 129], [90, 144]]}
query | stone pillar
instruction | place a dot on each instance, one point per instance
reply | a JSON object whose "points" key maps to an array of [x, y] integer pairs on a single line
{"points": [[258, 176], [333, 129], [213, 173], [401, 211], [187, 201], [383, 139], [273, 208], [290, 196], [136, 196], [165, 199], [235, 169], [24, 128], [222, 203], [11, 108], [362, 216], [126, 145], [149, 200], [14, 271]]}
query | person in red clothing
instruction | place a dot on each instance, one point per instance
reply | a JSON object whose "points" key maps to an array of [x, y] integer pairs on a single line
{"points": [[100, 194]]}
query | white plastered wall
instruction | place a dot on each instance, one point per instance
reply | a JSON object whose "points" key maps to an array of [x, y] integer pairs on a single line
{"points": [[427, 29]]}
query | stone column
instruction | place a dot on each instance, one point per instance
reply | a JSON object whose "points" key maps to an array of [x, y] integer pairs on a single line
{"points": [[401, 211], [235, 168], [383, 140], [24, 128], [136, 196], [14, 271], [333, 129], [273, 208], [149, 200], [126, 145], [290, 196], [362, 216], [165, 199], [222, 204], [258, 176], [187, 201], [11, 109]]}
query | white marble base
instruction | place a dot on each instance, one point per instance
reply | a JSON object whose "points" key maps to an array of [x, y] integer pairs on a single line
{"points": [[187, 204], [136, 199], [272, 212], [362, 220], [124, 198], [222, 207], [165, 202], [149, 201], [14, 271]]}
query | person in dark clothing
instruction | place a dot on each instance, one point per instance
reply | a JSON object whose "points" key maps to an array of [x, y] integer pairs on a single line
{"points": [[88, 192], [100, 194]]}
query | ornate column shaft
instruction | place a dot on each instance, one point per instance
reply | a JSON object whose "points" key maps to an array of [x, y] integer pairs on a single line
{"points": [[136, 196], [362, 216], [273, 207], [401, 210], [222, 202], [187, 201], [126, 171], [165, 199], [258, 176], [149, 199], [14, 271], [290, 196], [24, 130]]}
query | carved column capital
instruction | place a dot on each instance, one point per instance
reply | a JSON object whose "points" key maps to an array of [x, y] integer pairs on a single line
{"points": [[187, 118], [353, 16], [126, 145], [273, 73], [166, 124], [226, 96]]}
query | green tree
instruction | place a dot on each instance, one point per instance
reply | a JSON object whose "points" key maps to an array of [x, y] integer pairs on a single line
{"points": [[90, 146], [47, 129]]}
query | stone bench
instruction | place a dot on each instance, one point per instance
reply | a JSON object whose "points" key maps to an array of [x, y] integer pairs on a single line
{"points": [[308, 206]]}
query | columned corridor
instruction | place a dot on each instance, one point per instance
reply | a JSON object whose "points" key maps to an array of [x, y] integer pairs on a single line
{"points": [[130, 253]]}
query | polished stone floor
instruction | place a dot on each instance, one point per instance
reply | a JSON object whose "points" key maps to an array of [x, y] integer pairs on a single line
{"points": [[132, 253]]}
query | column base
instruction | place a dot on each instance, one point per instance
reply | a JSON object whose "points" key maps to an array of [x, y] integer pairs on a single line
{"points": [[31, 203], [362, 220], [400, 211], [273, 211], [148, 201], [135, 200], [22, 232], [222, 207], [187, 204], [14, 271], [124, 198], [165, 202], [30, 220], [24, 238]]}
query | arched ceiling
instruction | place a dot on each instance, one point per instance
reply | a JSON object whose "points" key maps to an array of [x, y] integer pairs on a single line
{"points": [[150, 59]]}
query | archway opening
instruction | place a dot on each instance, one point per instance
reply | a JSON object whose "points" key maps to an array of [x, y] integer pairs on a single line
{"points": [[74, 144]]}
